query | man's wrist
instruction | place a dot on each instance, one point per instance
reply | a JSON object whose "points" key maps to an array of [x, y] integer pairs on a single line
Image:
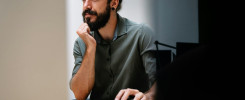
{"points": [[150, 95], [91, 49]]}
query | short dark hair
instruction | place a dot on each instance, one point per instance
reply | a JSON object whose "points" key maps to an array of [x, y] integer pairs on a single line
{"points": [[119, 4]]}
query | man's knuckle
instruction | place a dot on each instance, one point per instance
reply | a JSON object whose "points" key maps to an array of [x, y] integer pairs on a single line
{"points": [[136, 97], [128, 90], [78, 31], [122, 90]]}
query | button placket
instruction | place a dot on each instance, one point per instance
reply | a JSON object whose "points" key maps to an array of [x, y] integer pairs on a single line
{"points": [[111, 72]]}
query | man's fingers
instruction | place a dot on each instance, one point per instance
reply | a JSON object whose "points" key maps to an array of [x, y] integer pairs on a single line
{"points": [[139, 96], [126, 94], [120, 94], [84, 33], [88, 29], [84, 28], [144, 98], [129, 92], [82, 25]]}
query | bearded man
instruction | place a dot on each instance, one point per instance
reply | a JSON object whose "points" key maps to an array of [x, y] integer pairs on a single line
{"points": [[113, 55]]}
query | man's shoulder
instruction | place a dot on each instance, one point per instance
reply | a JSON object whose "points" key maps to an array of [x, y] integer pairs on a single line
{"points": [[133, 25], [139, 27], [129, 22]]}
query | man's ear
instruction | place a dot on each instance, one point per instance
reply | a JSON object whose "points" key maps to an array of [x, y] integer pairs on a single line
{"points": [[114, 4]]}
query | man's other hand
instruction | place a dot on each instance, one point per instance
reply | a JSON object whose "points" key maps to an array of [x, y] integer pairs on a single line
{"points": [[124, 94]]}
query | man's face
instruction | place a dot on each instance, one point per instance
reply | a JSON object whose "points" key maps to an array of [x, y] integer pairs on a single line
{"points": [[97, 15]]}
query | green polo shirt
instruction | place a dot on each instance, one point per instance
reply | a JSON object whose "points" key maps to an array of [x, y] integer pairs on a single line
{"points": [[125, 62]]}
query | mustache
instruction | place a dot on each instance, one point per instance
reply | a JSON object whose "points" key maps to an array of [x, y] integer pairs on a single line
{"points": [[89, 11]]}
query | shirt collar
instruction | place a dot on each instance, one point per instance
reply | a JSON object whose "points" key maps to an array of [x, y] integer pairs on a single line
{"points": [[122, 25], [121, 29], [115, 33]]}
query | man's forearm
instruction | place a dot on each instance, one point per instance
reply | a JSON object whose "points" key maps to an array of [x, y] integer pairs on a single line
{"points": [[83, 81]]}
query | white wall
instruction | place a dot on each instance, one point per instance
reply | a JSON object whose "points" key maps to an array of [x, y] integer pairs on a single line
{"points": [[73, 21], [138, 11]]}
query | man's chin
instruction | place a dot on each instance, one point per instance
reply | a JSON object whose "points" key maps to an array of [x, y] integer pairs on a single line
{"points": [[92, 19]]}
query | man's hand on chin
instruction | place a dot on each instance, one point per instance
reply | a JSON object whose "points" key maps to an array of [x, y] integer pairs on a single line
{"points": [[84, 33]]}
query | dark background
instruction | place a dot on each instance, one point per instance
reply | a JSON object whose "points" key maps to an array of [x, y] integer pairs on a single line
{"points": [[205, 72]]}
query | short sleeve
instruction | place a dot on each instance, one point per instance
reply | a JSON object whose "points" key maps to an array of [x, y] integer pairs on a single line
{"points": [[78, 53], [147, 52]]}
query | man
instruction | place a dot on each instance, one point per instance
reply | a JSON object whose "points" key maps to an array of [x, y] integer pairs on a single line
{"points": [[112, 55]]}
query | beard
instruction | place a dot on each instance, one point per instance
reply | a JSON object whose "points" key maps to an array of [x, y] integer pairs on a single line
{"points": [[101, 20]]}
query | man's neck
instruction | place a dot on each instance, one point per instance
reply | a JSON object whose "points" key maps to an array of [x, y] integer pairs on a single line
{"points": [[107, 32]]}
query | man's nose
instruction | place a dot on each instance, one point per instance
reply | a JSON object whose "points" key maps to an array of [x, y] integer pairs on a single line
{"points": [[87, 4]]}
